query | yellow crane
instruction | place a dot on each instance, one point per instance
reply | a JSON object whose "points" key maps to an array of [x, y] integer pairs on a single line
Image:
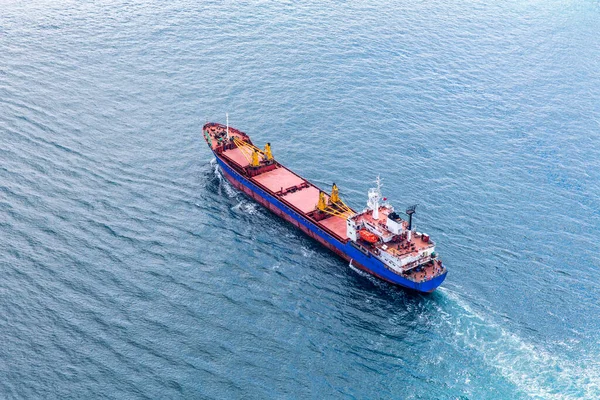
{"points": [[335, 206], [255, 162], [267, 152], [253, 154]]}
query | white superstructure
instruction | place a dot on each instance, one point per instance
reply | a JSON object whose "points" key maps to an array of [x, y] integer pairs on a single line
{"points": [[380, 229], [374, 197]]}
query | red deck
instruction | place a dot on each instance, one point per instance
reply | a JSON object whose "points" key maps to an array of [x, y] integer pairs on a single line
{"points": [[237, 157], [336, 225], [305, 200], [278, 179]]}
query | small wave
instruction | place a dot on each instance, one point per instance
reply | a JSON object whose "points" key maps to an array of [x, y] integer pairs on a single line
{"points": [[246, 207], [228, 189], [358, 271], [306, 252], [216, 170], [250, 208], [224, 185]]}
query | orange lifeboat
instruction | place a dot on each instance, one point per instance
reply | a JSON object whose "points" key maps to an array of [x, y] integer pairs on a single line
{"points": [[368, 236]]}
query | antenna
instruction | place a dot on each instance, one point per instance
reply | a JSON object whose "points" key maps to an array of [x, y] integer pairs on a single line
{"points": [[379, 182], [227, 117], [410, 211]]}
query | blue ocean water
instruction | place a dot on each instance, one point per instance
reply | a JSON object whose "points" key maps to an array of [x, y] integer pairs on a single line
{"points": [[130, 269]]}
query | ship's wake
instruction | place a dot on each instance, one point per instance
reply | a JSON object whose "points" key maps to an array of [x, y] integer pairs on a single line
{"points": [[244, 205], [224, 186], [535, 371]]}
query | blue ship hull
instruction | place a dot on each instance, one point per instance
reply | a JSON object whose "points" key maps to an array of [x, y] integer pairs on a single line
{"points": [[350, 251]]}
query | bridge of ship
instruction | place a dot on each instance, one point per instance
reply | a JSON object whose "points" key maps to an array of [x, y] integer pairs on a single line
{"points": [[398, 245]]}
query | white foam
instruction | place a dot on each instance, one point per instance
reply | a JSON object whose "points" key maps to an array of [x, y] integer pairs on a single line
{"points": [[224, 185], [246, 207], [306, 252]]}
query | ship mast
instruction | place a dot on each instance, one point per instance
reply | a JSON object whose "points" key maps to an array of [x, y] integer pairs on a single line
{"points": [[227, 117], [374, 196]]}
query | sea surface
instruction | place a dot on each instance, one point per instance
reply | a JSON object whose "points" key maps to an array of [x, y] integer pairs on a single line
{"points": [[131, 269]]}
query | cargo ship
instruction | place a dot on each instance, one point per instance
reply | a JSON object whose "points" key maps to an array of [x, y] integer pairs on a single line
{"points": [[378, 239]]}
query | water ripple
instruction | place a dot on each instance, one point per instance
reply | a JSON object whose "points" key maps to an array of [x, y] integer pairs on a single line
{"points": [[132, 268]]}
